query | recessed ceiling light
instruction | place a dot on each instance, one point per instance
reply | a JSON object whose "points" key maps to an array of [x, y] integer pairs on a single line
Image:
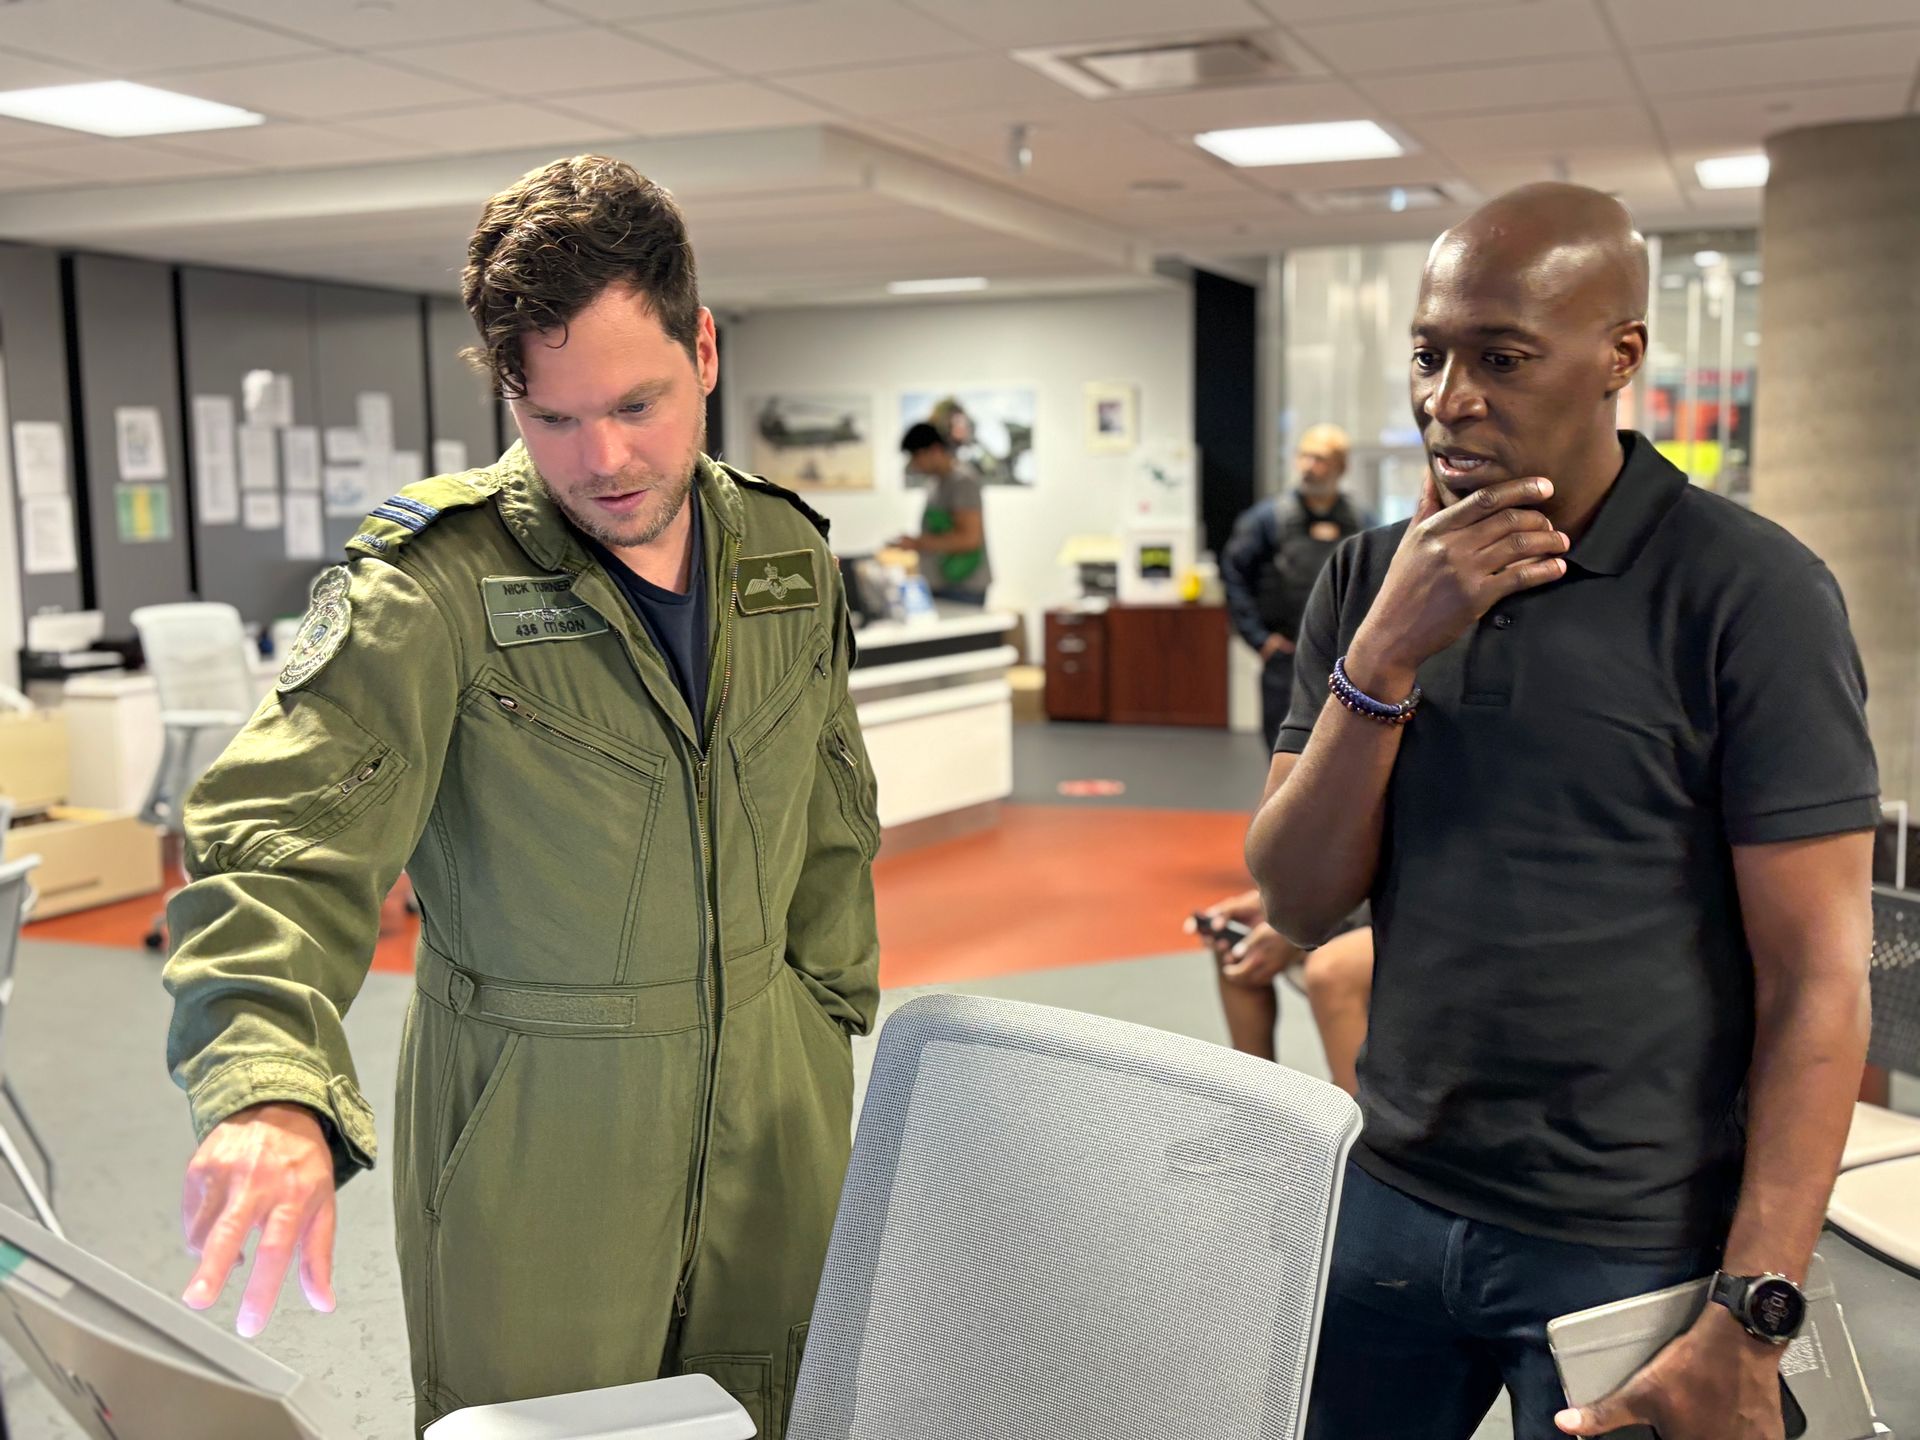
{"points": [[1732, 172], [1301, 144], [120, 108], [1707, 259], [1670, 281], [1751, 339], [1749, 277], [936, 287]]}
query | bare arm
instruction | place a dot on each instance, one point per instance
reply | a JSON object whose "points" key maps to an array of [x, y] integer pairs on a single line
{"points": [[1809, 925], [1314, 845]]}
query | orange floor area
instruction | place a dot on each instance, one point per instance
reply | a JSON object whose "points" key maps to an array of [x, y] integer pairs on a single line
{"points": [[1052, 885]]}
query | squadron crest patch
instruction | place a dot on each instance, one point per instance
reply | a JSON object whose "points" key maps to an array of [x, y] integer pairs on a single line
{"points": [[323, 629], [766, 583]]}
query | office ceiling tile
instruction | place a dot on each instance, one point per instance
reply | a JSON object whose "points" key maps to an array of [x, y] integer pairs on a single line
{"points": [[1658, 24], [325, 86], [807, 37], [494, 125], [1476, 37], [550, 64], [708, 108], [1589, 80], [1017, 24], [373, 27], [1803, 61], [115, 40]]}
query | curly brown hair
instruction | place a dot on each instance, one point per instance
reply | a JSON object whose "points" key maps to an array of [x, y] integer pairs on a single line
{"points": [[548, 244]]}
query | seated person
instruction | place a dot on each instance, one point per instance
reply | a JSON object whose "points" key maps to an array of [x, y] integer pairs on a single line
{"points": [[1338, 979]]}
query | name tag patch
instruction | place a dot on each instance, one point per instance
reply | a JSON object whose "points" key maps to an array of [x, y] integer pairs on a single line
{"points": [[523, 609], [763, 584]]}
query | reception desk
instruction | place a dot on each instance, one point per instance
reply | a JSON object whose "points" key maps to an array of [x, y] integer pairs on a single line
{"points": [[933, 699], [937, 713]]}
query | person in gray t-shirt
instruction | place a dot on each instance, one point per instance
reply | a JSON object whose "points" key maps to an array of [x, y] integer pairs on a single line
{"points": [[953, 539]]}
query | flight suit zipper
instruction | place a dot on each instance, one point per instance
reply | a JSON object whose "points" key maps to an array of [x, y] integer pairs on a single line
{"points": [[710, 949], [513, 707]]}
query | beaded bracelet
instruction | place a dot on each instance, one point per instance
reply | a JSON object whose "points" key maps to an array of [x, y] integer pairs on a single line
{"points": [[1361, 703]]}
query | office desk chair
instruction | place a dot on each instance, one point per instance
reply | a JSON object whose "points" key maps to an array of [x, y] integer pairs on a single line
{"points": [[16, 900], [199, 659], [1053, 1224]]}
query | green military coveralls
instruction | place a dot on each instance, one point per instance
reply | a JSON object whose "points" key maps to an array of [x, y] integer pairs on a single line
{"points": [[625, 1089]]}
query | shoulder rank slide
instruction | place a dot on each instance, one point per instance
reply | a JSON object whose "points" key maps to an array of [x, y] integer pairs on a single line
{"points": [[397, 519]]}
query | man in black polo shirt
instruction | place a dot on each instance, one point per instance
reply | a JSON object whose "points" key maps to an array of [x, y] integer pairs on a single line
{"points": [[1274, 555], [1617, 844]]}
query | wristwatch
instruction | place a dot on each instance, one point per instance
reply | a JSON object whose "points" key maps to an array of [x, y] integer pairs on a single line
{"points": [[1771, 1307]]}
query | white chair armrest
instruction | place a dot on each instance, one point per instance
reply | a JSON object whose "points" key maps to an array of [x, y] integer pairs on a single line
{"points": [[683, 1407]]}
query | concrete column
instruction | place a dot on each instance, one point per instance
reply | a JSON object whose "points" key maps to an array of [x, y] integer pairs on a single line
{"points": [[1837, 424]]}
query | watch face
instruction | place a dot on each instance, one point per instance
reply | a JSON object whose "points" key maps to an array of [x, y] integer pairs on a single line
{"points": [[1775, 1308]]}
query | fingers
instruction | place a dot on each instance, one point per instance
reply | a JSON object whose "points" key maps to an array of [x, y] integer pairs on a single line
{"points": [[1531, 543], [1616, 1412], [221, 1251], [1483, 503], [1430, 502], [201, 1201], [1528, 576], [316, 1257], [270, 1265]]}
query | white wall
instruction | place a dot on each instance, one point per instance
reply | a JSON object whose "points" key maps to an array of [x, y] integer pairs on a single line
{"points": [[1055, 345]]}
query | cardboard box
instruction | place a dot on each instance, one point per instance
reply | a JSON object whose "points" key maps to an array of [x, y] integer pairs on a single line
{"points": [[1029, 686], [87, 858], [33, 759]]}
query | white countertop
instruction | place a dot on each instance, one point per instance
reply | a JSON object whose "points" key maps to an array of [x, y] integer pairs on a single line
{"points": [[948, 625]]}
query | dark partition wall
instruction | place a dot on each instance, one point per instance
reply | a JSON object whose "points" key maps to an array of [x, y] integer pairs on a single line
{"points": [[126, 367], [231, 326], [33, 339], [370, 342], [460, 405], [1226, 413]]}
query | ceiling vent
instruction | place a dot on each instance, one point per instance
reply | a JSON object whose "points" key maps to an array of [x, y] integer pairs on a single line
{"points": [[1382, 199], [1187, 63]]}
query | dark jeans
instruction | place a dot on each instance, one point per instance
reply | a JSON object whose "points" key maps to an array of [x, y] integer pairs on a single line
{"points": [[1276, 696], [1429, 1315]]}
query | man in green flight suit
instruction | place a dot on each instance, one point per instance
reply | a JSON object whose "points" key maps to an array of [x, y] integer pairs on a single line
{"points": [[594, 700]]}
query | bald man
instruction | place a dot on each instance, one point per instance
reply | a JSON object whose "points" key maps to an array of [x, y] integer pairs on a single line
{"points": [[1598, 755], [1274, 555]]}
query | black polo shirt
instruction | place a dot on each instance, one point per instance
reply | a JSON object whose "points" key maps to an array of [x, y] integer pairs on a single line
{"points": [[1562, 1015]]}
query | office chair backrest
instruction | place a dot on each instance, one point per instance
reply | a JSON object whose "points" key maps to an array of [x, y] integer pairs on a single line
{"points": [[1895, 1043], [197, 655], [16, 890], [1065, 1226]]}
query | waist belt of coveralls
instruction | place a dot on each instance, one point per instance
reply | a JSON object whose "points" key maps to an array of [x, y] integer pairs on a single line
{"points": [[660, 1008]]}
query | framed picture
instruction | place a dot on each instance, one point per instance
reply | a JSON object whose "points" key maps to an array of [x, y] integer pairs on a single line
{"points": [[813, 440], [991, 428], [1113, 417]]}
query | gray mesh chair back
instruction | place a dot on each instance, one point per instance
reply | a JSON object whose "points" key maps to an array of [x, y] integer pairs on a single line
{"points": [[16, 899], [1065, 1226], [1895, 1044]]}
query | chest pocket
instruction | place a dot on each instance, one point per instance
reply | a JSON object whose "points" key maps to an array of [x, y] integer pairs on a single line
{"points": [[773, 754], [549, 819]]}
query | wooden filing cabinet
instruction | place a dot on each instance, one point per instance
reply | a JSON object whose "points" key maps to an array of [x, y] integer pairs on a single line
{"points": [[1076, 665], [1167, 665]]}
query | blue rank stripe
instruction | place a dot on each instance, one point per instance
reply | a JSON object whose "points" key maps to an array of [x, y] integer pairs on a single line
{"points": [[402, 518], [423, 510]]}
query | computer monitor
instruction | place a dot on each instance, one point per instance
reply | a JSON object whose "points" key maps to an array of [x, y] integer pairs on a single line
{"points": [[129, 1363]]}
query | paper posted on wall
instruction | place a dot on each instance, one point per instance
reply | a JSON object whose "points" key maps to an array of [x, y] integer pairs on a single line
{"points": [[215, 473]]}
